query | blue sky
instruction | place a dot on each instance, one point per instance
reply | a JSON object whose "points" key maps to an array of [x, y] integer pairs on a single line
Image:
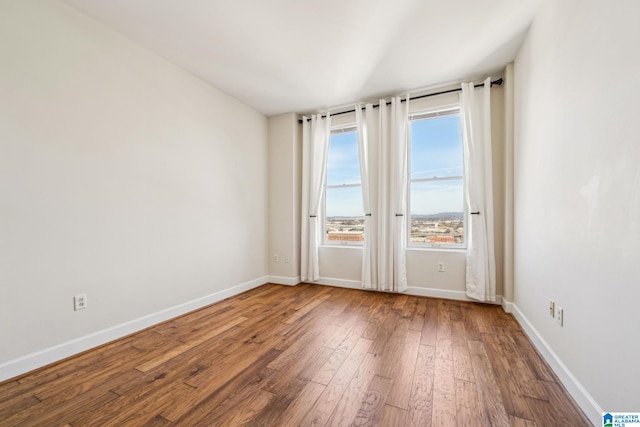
{"points": [[343, 167], [436, 151], [343, 162]]}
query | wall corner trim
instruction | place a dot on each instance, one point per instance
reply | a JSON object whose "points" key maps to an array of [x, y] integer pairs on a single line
{"points": [[507, 306], [22, 365], [281, 280], [585, 401]]}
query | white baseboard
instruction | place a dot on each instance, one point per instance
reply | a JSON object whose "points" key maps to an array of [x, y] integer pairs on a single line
{"points": [[282, 280], [30, 362], [446, 294], [411, 290], [582, 397], [507, 306], [340, 283]]}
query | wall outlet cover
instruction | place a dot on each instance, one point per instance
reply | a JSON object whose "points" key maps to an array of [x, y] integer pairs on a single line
{"points": [[80, 302], [560, 315]]}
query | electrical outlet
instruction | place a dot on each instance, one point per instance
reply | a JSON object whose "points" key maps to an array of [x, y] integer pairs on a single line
{"points": [[440, 266], [276, 258], [560, 315], [80, 302], [552, 309], [286, 259]]}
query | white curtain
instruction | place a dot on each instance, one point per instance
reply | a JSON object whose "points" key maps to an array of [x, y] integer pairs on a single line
{"points": [[383, 138], [398, 191], [367, 149], [475, 115], [315, 147]]}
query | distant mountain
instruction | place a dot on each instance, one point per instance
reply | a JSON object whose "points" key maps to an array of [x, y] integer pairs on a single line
{"points": [[441, 215], [345, 217]]}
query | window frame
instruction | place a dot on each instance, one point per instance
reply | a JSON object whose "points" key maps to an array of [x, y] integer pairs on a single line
{"points": [[427, 114], [335, 130]]}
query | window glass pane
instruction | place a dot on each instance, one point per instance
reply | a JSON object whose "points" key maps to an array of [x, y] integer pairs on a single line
{"points": [[437, 212], [343, 163], [436, 147], [345, 219]]}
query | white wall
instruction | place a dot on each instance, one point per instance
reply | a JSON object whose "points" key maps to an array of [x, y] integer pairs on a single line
{"points": [[285, 152], [121, 176], [577, 193], [507, 162], [342, 265]]}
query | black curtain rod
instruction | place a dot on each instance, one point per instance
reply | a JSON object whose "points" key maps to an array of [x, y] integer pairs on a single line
{"points": [[495, 82]]}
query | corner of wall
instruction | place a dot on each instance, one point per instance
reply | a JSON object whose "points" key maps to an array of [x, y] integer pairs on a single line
{"points": [[284, 198], [585, 401], [47, 356]]}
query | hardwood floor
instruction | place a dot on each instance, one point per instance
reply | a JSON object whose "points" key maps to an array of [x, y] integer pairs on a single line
{"points": [[305, 355]]}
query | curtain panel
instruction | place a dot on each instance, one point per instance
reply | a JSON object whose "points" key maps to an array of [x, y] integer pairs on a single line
{"points": [[367, 149], [315, 147], [475, 117], [383, 146]]}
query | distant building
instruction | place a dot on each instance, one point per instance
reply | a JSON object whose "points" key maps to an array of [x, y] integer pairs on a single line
{"points": [[441, 239], [345, 236]]}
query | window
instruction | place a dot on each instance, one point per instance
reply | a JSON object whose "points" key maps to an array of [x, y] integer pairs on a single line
{"points": [[436, 180], [344, 218]]}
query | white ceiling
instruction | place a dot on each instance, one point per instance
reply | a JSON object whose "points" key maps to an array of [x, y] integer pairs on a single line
{"points": [[309, 55]]}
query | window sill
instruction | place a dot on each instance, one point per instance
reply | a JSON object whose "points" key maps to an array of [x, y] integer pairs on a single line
{"points": [[435, 249], [342, 246]]}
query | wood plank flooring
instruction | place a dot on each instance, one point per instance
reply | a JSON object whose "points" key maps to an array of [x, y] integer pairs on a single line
{"points": [[308, 355]]}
